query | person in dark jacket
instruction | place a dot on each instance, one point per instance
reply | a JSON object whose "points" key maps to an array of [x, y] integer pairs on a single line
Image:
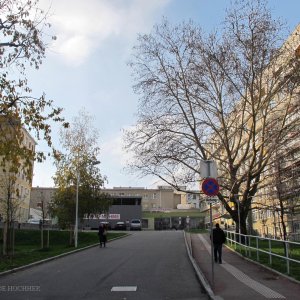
{"points": [[219, 239], [102, 235]]}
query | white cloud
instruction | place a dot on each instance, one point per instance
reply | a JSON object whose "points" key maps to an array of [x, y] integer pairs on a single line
{"points": [[114, 150], [113, 161], [75, 49], [82, 26]]}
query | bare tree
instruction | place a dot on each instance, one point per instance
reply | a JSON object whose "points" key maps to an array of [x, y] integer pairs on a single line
{"points": [[223, 96]]}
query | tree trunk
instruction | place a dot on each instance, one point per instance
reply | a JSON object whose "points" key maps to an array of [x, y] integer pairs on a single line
{"points": [[71, 237], [42, 237], [243, 226], [48, 238], [5, 230], [8, 238], [242, 218], [12, 239], [282, 221]]}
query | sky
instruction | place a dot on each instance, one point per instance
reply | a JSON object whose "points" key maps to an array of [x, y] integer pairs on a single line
{"points": [[86, 67]]}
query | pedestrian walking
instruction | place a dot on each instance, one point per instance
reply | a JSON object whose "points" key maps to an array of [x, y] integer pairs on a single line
{"points": [[219, 239], [102, 233]]}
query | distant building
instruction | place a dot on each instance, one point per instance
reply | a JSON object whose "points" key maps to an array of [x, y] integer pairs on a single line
{"points": [[193, 199], [162, 198], [128, 203], [41, 196], [123, 208], [40, 199]]}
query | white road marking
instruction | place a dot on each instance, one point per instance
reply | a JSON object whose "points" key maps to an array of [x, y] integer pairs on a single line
{"points": [[124, 289], [258, 287]]}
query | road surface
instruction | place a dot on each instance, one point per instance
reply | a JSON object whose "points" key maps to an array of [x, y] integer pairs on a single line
{"points": [[146, 265]]}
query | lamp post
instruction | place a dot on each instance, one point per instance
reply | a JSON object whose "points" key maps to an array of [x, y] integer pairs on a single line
{"points": [[239, 215], [76, 209], [237, 201]]}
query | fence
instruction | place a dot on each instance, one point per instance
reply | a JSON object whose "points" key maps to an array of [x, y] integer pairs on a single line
{"points": [[268, 251]]}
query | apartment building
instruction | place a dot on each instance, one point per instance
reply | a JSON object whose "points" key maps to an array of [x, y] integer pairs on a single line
{"points": [[278, 194], [15, 186]]}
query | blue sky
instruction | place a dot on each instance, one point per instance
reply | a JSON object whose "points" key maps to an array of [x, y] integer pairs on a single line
{"points": [[86, 66]]}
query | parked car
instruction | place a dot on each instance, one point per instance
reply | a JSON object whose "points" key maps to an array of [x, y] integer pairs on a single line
{"points": [[120, 226], [136, 224]]}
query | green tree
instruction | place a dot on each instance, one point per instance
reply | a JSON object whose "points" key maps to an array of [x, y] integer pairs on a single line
{"points": [[24, 39], [77, 166], [224, 96], [23, 45]]}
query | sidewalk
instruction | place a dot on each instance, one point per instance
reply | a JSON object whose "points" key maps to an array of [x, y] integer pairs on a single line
{"points": [[238, 278]]}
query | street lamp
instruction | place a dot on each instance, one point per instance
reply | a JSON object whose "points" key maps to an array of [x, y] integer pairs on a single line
{"points": [[76, 210], [237, 201]]}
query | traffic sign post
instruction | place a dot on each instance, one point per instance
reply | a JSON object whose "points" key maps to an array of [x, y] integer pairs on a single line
{"points": [[210, 187], [212, 247]]}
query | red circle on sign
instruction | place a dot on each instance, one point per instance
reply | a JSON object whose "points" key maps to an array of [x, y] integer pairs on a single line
{"points": [[210, 187]]}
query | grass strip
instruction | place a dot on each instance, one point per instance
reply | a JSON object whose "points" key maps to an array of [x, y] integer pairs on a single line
{"points": [[28, 246]]}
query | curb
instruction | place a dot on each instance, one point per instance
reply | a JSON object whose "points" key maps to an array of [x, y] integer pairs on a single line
{"points": [[39, 262], [204, 283]]}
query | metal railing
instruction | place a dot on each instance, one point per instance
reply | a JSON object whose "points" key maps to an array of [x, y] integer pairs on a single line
{"points": [[265, 247]]}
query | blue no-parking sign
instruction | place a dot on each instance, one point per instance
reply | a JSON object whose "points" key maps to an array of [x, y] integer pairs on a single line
{"points": [[210, 187]]}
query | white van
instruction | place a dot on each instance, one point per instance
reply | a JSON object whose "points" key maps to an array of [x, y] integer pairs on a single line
{"points": [[136, 224]]}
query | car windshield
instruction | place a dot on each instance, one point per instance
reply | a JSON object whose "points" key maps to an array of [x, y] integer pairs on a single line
{"points": [[136, 221]]}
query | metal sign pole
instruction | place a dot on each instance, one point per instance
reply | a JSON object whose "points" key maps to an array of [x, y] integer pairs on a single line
{"points": [[210, 187], [212, 247], [208, 168]]}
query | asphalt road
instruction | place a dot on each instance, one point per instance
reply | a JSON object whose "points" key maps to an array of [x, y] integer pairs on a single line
{"points": [[146, 265]]}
